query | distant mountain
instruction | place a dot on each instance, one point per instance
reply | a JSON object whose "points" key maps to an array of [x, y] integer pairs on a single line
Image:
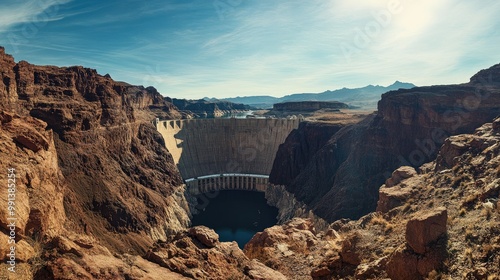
{"points": [[365, 97]]}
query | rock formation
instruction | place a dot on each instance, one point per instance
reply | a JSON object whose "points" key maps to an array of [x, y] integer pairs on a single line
{"points": [[97, 194], [448, 228], [87, 158], [342, 179], [300, 146], [198, 254]]}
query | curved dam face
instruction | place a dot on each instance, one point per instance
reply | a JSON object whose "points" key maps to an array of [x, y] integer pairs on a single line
{"points": [[218, 154]]}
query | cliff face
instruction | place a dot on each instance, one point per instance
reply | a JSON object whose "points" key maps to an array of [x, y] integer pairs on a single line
{"points": [[438, 222], [29, 161], [342, 179], [298, 150], [121, 182]]}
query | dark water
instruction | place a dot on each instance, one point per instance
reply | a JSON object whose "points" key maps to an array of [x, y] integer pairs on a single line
{"points": [[236, 215]]}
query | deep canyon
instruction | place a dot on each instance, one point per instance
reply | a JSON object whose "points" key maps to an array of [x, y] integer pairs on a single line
{"points": [[105, 191]]}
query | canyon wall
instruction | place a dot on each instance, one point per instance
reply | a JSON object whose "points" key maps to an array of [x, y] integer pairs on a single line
{"points": [[120, 184], [341, 180], [299, 148]]}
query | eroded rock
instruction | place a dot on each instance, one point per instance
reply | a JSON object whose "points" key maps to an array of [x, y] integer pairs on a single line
{"points": [[205, 235], [400, 174], [349, 251], [426, 228]]}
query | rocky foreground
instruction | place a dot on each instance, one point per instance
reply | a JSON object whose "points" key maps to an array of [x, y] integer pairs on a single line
{"points": [[97, 195], [441, 221]]}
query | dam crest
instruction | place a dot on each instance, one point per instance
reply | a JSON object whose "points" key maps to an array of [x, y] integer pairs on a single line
{"points": [[225, 154]]}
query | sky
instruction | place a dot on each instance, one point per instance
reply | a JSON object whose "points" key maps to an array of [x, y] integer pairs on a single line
{"points": [[227, 48]]}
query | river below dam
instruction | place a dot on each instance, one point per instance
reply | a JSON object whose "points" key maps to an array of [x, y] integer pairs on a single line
{"points": [[236, 215]]}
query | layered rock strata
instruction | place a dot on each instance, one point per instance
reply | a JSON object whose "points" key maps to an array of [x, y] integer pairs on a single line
{"points": [[342, 178]]}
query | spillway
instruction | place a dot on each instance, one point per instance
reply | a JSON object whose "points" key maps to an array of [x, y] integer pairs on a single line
{"points": [[224, 154]]}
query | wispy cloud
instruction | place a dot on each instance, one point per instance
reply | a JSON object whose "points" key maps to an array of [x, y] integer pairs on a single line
{"points": [[36, 12], [264, 48]]}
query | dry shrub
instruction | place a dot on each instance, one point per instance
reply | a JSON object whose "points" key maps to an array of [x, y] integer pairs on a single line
{"points": [[386, 226]]}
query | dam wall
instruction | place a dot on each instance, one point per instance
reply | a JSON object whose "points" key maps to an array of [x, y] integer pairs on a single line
{"points": [[205, 147], [218, 182]]}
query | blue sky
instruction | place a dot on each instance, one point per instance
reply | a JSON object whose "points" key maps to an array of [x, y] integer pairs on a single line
{"points": [[228, 48]]}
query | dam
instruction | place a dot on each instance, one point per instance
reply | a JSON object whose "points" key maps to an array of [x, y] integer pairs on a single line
{"points": [[225, 154]]}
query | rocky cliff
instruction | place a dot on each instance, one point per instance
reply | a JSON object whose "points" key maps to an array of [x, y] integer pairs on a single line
{"points": [[97, 196], [88, 157], [299, 148], [441, 221], [342, 179]]}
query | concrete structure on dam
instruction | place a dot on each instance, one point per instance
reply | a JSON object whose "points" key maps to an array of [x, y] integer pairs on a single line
{"points": [[218, 154]]}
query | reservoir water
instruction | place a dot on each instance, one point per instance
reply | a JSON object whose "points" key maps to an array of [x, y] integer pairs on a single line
{"points": [[236, 215]]}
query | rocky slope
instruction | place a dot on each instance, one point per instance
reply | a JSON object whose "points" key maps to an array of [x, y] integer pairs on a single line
{"points": [[441, 221], [97, 195], [89, 161], [198, 254], [342, 179]]}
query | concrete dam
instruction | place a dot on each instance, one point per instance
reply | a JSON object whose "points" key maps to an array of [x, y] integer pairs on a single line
{"points": [[225, 154]]}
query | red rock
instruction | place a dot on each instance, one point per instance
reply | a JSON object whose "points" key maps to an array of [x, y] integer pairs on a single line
{"points": [[205, 235], [426, 228], [400, 174], [390, 198], [349, 252], [320, 272], [403, 266]]}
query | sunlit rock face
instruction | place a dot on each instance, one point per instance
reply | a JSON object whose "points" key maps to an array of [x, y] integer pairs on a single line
{"points": [[98, 127]]}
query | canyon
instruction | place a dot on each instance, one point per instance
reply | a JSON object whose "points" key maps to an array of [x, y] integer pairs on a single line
{"points": [[103, 191]]}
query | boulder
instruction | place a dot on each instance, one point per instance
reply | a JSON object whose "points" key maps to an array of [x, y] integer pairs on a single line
{"points": [[403, 266], [320, 272], [390, 198], [400, 174], [258, 271], [349, 252], [453, 147], [426, 228], [205, 235]]}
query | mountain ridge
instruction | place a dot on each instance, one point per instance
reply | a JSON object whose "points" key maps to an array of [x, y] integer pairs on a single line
{"points": [[366, 97]]}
